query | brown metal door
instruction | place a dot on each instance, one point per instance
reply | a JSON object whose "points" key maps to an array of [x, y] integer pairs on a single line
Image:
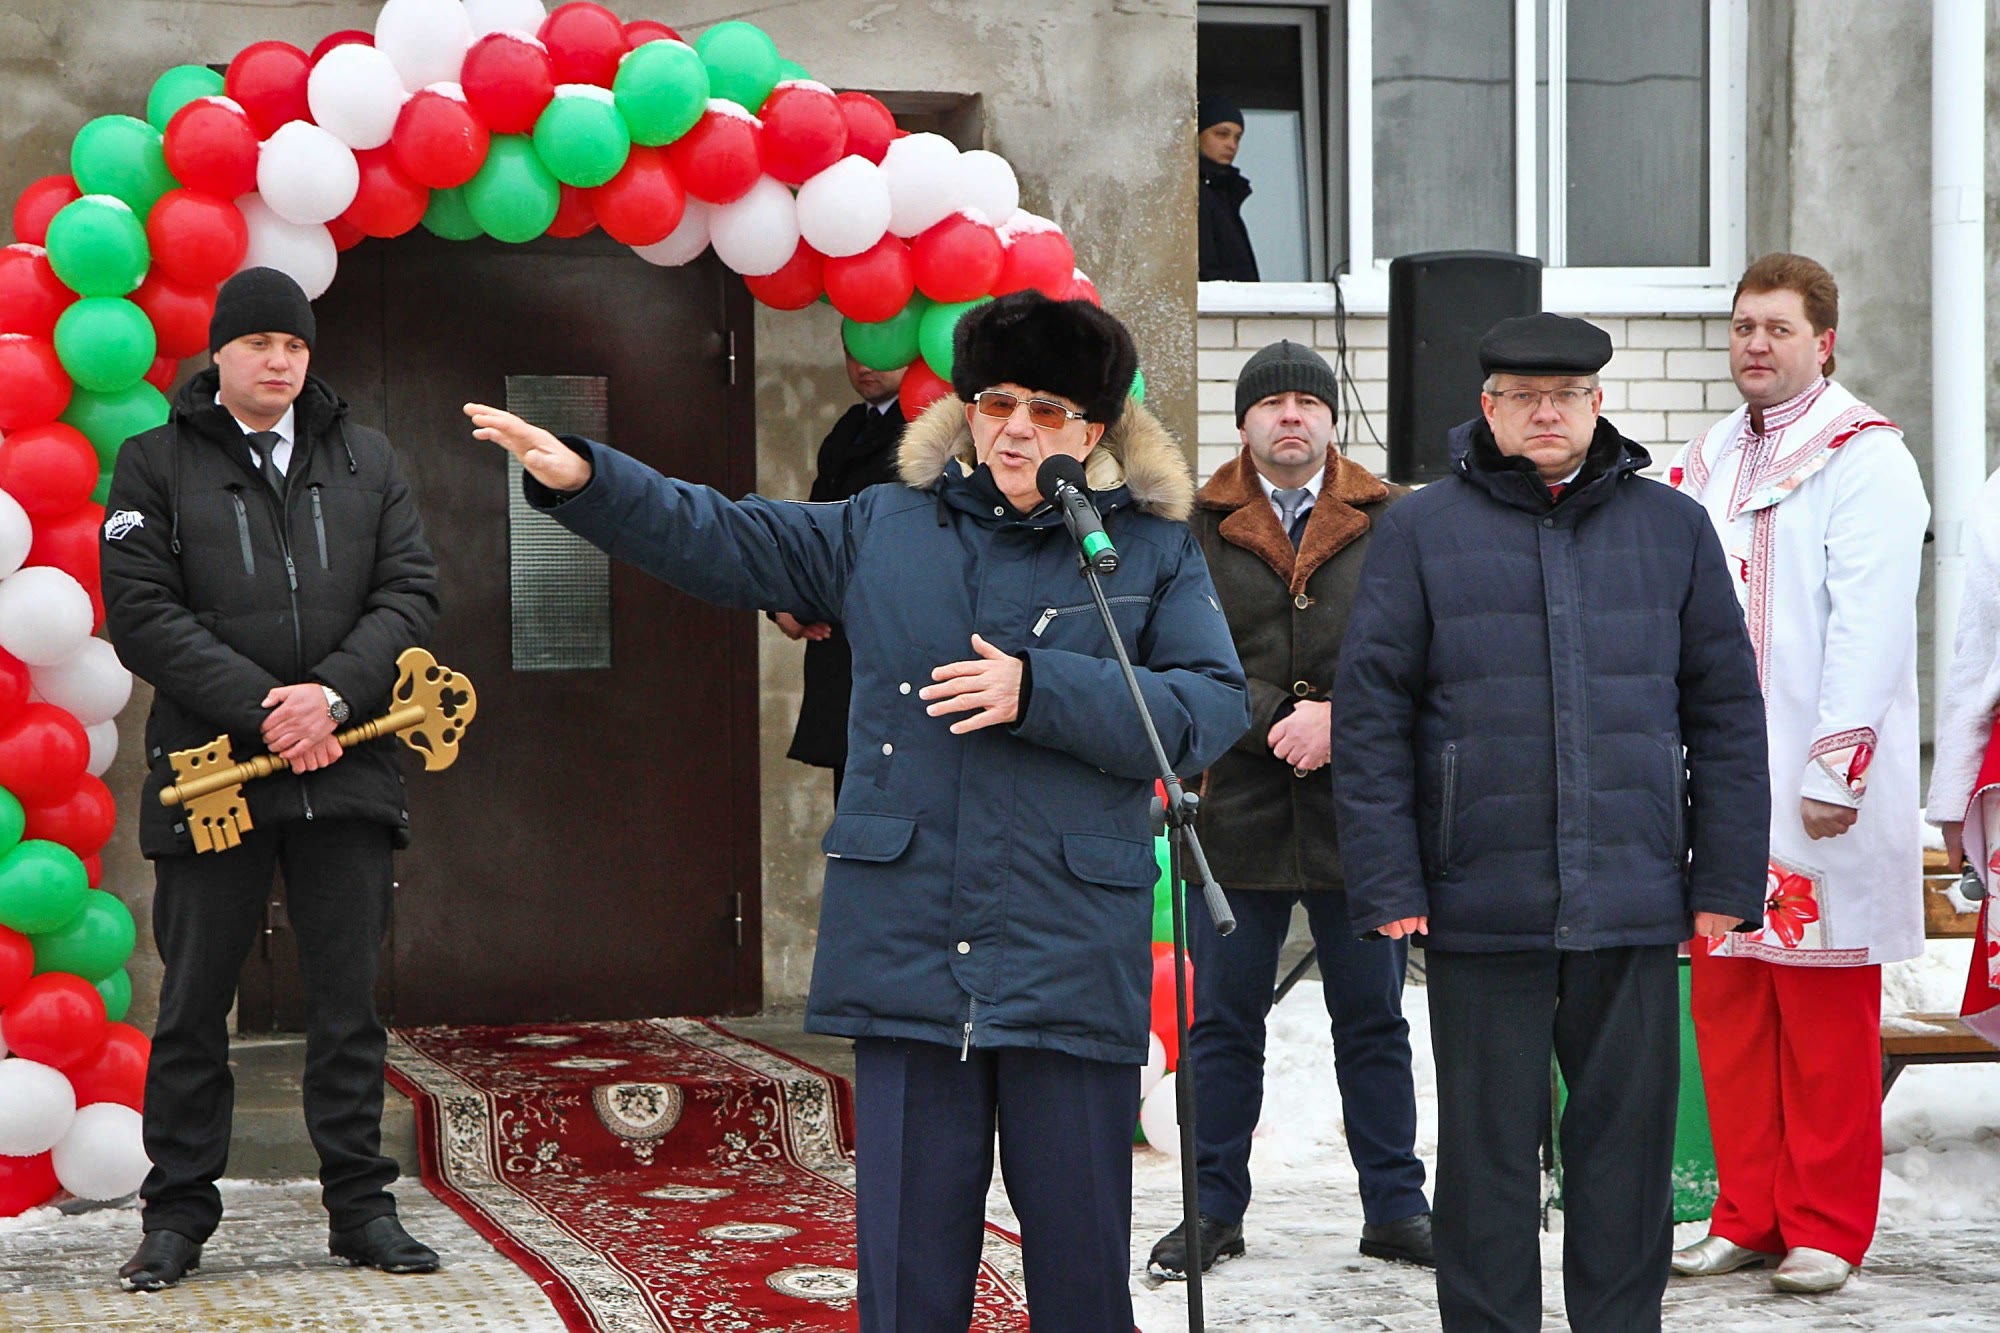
{"points": [[595, 851]]}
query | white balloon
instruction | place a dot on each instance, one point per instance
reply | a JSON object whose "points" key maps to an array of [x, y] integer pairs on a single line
{"points": [[305, 174], [424, 39], [1160, 1118], [926, 182], [45, 615], [104, 1154], [844, 209], [1156, 1064], [502, 15], [759, 232], [306, 252], [91, 683], [684, 243], [37, 1107], [103, 747], [990, 185], [16, 534], [355, 94]]}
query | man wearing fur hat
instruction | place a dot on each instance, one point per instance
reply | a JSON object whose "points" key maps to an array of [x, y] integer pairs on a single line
{"points": [[1285, 526], [985, 920]]}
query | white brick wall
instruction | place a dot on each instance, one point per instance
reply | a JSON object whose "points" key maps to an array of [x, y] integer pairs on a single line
{"points": [[1667, 381]]}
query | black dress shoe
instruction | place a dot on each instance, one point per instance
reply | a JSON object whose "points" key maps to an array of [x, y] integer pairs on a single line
{"points": [[1408, 1240], [162, 1259], [381, 1242], [1219, 1240]]}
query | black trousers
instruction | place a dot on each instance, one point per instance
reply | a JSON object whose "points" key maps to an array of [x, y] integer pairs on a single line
{"points": [[207, 911], [924, 1130], [1234, 977], [1611, 1017]]}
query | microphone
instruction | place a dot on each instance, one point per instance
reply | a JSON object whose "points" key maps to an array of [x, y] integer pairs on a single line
{"points": [[1060, 480]]}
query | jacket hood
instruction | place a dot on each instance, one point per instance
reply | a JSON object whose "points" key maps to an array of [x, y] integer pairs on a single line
{"points": [[1137, 453], [317, 403], [1476, 457]]}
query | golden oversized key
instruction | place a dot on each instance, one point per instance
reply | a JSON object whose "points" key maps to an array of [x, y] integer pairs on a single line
{"points": [[432, 705]]}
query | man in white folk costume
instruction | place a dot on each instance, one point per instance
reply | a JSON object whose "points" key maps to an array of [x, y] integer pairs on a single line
{"points": [[1821, 514]]}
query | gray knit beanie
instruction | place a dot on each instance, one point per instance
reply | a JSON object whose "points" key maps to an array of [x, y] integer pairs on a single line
{"points": [[1284, 367]]}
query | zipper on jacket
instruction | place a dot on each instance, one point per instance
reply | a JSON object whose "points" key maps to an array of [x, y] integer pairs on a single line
{"points": [[243, 531], [319, 526], [282, 506], [1450, 806], [1680, 800], [965, 1049], [1050, 613]]}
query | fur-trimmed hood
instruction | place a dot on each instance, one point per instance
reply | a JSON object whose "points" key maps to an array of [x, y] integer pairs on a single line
{"points": [[1138, 453]]}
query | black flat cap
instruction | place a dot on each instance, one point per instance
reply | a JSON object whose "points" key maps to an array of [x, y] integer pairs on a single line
{"points": [[1544, 344]]}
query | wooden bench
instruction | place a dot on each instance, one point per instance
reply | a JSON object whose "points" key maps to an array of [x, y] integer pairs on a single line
{"points": [[1932, 1039]]}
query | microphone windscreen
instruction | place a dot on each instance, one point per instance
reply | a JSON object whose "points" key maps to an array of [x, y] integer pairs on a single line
{"points": [[1058, 468]]}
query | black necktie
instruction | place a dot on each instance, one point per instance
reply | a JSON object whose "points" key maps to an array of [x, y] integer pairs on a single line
{"points": [[264, 443]]}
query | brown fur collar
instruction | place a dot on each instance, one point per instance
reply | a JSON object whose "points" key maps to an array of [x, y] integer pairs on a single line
{"points": [[1138, 453], [1252, 524]]}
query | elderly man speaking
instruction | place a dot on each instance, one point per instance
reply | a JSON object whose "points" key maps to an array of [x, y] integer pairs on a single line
{"points": [[1549, 759]]}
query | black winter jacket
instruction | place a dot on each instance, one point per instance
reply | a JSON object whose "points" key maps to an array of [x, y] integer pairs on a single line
{"points": [[214, 597], [1225, 251]]}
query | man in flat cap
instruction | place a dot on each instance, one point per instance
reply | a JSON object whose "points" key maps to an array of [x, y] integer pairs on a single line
{"points": [[1549, 762]]}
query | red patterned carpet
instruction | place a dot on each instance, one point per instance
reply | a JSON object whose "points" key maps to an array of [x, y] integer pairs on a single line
{"points": [[657, 1174]]}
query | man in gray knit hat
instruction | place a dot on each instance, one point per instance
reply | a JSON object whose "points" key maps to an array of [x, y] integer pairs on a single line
{"points": [[1284, 527]]}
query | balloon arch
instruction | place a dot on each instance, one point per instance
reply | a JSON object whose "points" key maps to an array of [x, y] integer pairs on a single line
{"points": [[468, 118]]}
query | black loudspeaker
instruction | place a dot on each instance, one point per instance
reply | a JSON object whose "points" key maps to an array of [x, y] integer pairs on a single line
{"points": [[1440, 305]]}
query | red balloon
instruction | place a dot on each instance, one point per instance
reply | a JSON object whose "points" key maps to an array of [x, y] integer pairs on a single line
{"points": [[162, 373], [585, 43], [93, 870], [796, 285], [56, 1018], [873, 285], [804, 133], [49, 468], [211, 146], [956, 260], [268, 80], [117, 1072], [32, 297], [345, 234], [509, 81], [42, 200], [388, 203], [69, 542], [17, 963], [180, 314], [1166, 1026], [43, 752], [81, 821], [718, 160], [14, 686], [921, 388], [643, 202], [346, 37], [197, 239], [26, 1182], [1083, 289], [640, 31], [574, 215], [1039, 258], [34, 388], [870, 126], [438, 142]]}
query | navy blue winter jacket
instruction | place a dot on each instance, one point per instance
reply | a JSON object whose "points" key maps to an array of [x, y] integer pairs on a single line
{"points": [[1548, 727], [991, 889]]}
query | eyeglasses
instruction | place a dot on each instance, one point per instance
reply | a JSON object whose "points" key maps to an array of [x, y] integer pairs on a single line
{"points": [[1041, 412], [1572, 399]]}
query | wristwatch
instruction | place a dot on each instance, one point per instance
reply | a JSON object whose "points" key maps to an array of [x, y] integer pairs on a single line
{"points": [[336, 707]]}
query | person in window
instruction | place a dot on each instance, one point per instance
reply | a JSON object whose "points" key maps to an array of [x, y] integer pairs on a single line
{"points": [[1226, 255]]}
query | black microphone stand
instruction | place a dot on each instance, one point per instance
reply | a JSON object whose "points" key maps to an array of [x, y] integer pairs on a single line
{"points": [[1184, 846]]}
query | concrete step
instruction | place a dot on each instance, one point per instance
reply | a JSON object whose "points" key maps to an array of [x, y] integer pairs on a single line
{"points": [[268, 1138]]}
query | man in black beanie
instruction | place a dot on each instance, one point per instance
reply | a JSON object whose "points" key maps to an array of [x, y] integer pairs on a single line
{"points": [[263, 567], [1226, 255], [984, 930]]}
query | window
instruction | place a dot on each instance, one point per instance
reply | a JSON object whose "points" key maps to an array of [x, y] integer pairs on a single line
{"points": [[1605, 137]]}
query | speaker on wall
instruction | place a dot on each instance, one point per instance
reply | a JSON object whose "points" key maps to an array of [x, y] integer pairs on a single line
{"points": [[1440, 306]]}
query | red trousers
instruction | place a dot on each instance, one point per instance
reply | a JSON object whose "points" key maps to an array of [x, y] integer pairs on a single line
{"points": [[1791, 1060]]}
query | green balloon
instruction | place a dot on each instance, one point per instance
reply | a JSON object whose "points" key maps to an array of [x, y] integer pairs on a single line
{"points": [[889, 344], [661, 90], [92, 944], [41, 886], [105, 343], [102, 490], [1138, 390], [13, 821], [176, 88], [117, 992], [934, 338], [97, 246], [449, 217], [513, 198], [1163, 902], [742, 62], [791, 71], [121, 156], [107, 420], [582, 140]]}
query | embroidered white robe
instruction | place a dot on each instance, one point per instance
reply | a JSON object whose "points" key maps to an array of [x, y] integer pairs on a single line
{"points": [[1822, 519]]}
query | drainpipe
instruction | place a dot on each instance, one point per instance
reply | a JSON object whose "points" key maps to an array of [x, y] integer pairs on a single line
{"points": [[1958, 307]]}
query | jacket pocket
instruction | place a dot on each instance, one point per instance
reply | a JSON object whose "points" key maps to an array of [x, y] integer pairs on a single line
{"points": [[319, 526], [1117, 863], [243, 530], [1447, 805], [1677, 822], [852, 837], [1048, 615]]}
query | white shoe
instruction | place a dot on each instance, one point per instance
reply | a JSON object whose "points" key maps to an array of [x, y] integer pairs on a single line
{"points": [[1712, 1255], [1811, 1270]]}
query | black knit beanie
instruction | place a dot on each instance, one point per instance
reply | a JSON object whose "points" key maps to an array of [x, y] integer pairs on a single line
{"points": [[260, 300], [1285, 367]]}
